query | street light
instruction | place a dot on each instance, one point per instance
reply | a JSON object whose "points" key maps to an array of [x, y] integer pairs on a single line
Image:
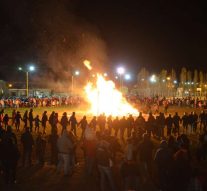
{"points": [[76, 73], [127, 77], [20, 68], [30, 68], [120, 70], [153, 79]]}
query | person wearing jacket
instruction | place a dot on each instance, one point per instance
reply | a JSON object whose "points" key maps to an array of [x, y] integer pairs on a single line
{"points": [[65, 146]]}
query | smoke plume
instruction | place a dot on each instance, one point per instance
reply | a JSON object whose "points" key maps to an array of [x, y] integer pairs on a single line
{"points": [[63, 41]]}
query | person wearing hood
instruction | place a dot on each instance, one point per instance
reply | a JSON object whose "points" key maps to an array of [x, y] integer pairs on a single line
{"points": [[65, 146], [163, 161]]}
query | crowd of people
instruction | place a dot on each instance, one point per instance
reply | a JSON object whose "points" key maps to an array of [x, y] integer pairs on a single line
{"points": [[150, 102], [169, 166], [19, 102], [153, 103]]}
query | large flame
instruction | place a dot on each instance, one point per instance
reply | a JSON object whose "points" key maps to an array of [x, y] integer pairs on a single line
{"points": [[105, 98]]}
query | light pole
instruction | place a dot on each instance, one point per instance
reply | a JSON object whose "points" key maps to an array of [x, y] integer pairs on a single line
{"points": [[30, 69], [76, 73], [120, 71]]}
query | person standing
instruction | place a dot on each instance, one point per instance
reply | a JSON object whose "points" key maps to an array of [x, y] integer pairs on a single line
{"points": [[102, 122], [73, 123], [140, 124], [116, 126], [195, 121], [27, 142], [31, 119], [44, 121], [14, 113], [64, 121], [10, 135], [40, 148], [103, 159], [55, 123], [130, 125], [163, 161], [9, 159], [145, 150], [185, 122], [191, 122], [123, 125], [83, 124], [169, 124], [150, 124], [18, 117], [64, 145], [25, 118], [109, 123], [53, 146], [51, 120], [6, 121], [1, 116], [176, 122], [37, 123], [93, 123], [203, 120]]}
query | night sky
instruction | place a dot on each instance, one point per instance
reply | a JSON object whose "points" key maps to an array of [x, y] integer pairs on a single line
{"points": [[162, 34]]}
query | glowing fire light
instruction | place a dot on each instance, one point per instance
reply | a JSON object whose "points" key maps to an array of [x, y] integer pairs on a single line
{"points": [[87, 64], [105, 98]]}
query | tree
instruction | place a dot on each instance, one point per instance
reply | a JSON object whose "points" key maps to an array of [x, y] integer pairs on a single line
{"points": [[183, 76], [195, 77], [163, 75], [189, 76], [173, 75], [201, 78], [143, 75]]}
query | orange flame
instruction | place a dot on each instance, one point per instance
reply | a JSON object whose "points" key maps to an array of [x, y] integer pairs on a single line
{"points": [[87, 64], [105, 98]]}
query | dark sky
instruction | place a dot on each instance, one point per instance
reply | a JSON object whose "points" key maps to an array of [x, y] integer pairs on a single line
{"points": [[156, 35]]}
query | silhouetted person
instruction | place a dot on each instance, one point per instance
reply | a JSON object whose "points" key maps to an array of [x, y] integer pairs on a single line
{"points": [[40, 148], [9, 158], [31, 119], [83, 124], [44, 121], [116, 126], [176, 122], [37, 123], [169, 124], [18, 118], [93, 123], [73, 123], [53, 146], [27, 142], [25, 118], [64, 121], [13, 116], [130, 125], [6, 120]]}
